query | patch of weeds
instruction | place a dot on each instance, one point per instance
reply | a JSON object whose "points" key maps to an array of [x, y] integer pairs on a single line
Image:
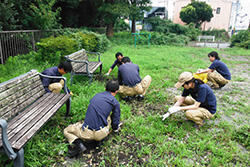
{"points": [[242, 135], [239, 79]]}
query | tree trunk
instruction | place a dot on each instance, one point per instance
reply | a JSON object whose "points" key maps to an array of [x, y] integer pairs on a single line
{"points": [[133, 26], [110, 30]]}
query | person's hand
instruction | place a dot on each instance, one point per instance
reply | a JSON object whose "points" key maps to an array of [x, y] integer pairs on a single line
{"points": [[173, 109], [199, 71], [119, 127], [165, 116], [107, 74], [71, 93]]}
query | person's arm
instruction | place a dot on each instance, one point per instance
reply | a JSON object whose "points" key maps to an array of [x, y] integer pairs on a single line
{"points": [[204, 71], [180, 101], [194, 106], [112, 67], [119, 78], [115, 116], [109, 71], [46, 82]]}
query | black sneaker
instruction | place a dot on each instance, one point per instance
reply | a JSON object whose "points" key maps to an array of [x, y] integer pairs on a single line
{"points": [[140, 97], [221, 86], [77, 148], [127, 98]]}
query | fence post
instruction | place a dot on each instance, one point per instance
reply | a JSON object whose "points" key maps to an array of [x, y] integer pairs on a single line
{"points": [[33, 42], [1, 52]]}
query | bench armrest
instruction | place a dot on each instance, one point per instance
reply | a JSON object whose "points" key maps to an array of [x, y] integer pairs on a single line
{"points": [[96, 53], [65, 88], [6, 144]]}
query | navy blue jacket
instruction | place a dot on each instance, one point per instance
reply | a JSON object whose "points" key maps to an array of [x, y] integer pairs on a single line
{"points": [[116, 63], [100, 107], [128, 74], [221, 68], [53, 71], [203, 94]]}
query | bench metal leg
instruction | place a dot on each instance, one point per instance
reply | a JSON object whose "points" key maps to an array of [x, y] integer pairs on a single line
{"points": [[19, 161], [71, 78], [101, 69], [90, 79], [68, 107]]}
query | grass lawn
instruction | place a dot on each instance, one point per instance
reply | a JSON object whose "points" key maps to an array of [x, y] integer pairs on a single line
{"points": [[145, 140]]}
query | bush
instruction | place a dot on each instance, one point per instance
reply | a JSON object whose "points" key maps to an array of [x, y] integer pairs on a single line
{"points": [[167, 26], [219, 34], [242, 39], [54, 49], [169, 39]]}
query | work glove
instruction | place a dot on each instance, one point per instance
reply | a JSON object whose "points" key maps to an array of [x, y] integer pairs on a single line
{"points": [[107, 74], [171, 110], [119, 127]]}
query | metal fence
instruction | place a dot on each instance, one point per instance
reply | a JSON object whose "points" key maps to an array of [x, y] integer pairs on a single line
{"points": [[13, 43]]}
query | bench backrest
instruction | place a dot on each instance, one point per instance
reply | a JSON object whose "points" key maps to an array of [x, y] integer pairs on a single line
{"points": [[206, 37], [80, 55], [18, 93]]}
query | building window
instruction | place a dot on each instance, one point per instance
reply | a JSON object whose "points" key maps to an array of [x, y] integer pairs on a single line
{"points": [[218, 11]]}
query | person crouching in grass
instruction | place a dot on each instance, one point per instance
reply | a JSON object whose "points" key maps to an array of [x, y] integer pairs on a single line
{"points": [[223, 76], [202, 103]]}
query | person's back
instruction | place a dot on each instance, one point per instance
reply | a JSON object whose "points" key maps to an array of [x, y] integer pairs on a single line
{"points": [[99, 109], [130, 81], [130, 74]]}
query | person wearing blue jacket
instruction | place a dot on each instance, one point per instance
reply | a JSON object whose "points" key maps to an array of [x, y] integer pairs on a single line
{"points": [[223, 75]]}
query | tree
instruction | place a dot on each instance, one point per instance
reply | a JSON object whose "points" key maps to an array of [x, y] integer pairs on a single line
{"points": [[7, 15], [196, 12], [136, 11], [111, 11]]}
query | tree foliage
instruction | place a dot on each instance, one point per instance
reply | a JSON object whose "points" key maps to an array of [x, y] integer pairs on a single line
{"points": [[137, 9], [7, 15], [196, 12]]}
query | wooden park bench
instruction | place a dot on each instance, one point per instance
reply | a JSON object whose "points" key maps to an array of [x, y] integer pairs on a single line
{"points": [[84, 63], [206, 38], [25, 107]]}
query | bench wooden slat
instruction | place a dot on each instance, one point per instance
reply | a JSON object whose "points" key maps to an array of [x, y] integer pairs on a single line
{"points": [[15, 122], [92, 67], [24, 138], [17, 87], [8, 84], [19, 93], [20, 103]]}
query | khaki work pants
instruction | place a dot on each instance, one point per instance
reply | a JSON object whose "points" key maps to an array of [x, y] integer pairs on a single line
{"points": [[139, 89], [56, 87], [75, 131], [217, 79], [197, 115]]}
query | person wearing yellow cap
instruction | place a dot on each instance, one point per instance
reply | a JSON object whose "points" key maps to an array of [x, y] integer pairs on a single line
{"points": [[202, 103]]}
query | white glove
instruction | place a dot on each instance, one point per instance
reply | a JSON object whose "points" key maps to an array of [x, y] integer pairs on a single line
{"points": [[173, 109], [119, 127], [165, 116], [107, 74]]}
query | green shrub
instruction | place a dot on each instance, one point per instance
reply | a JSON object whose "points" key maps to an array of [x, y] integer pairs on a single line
{"points": [[242, 39], [168, 39], [87, 41], [121, 25], [167, 26], [219, 34], [54, 49]]}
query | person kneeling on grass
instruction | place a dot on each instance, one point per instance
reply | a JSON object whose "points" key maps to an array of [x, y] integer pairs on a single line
{"points": [[98, 120], [223, 76], [117, 62], [56, 85], [130, 81], [202, 104]]}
